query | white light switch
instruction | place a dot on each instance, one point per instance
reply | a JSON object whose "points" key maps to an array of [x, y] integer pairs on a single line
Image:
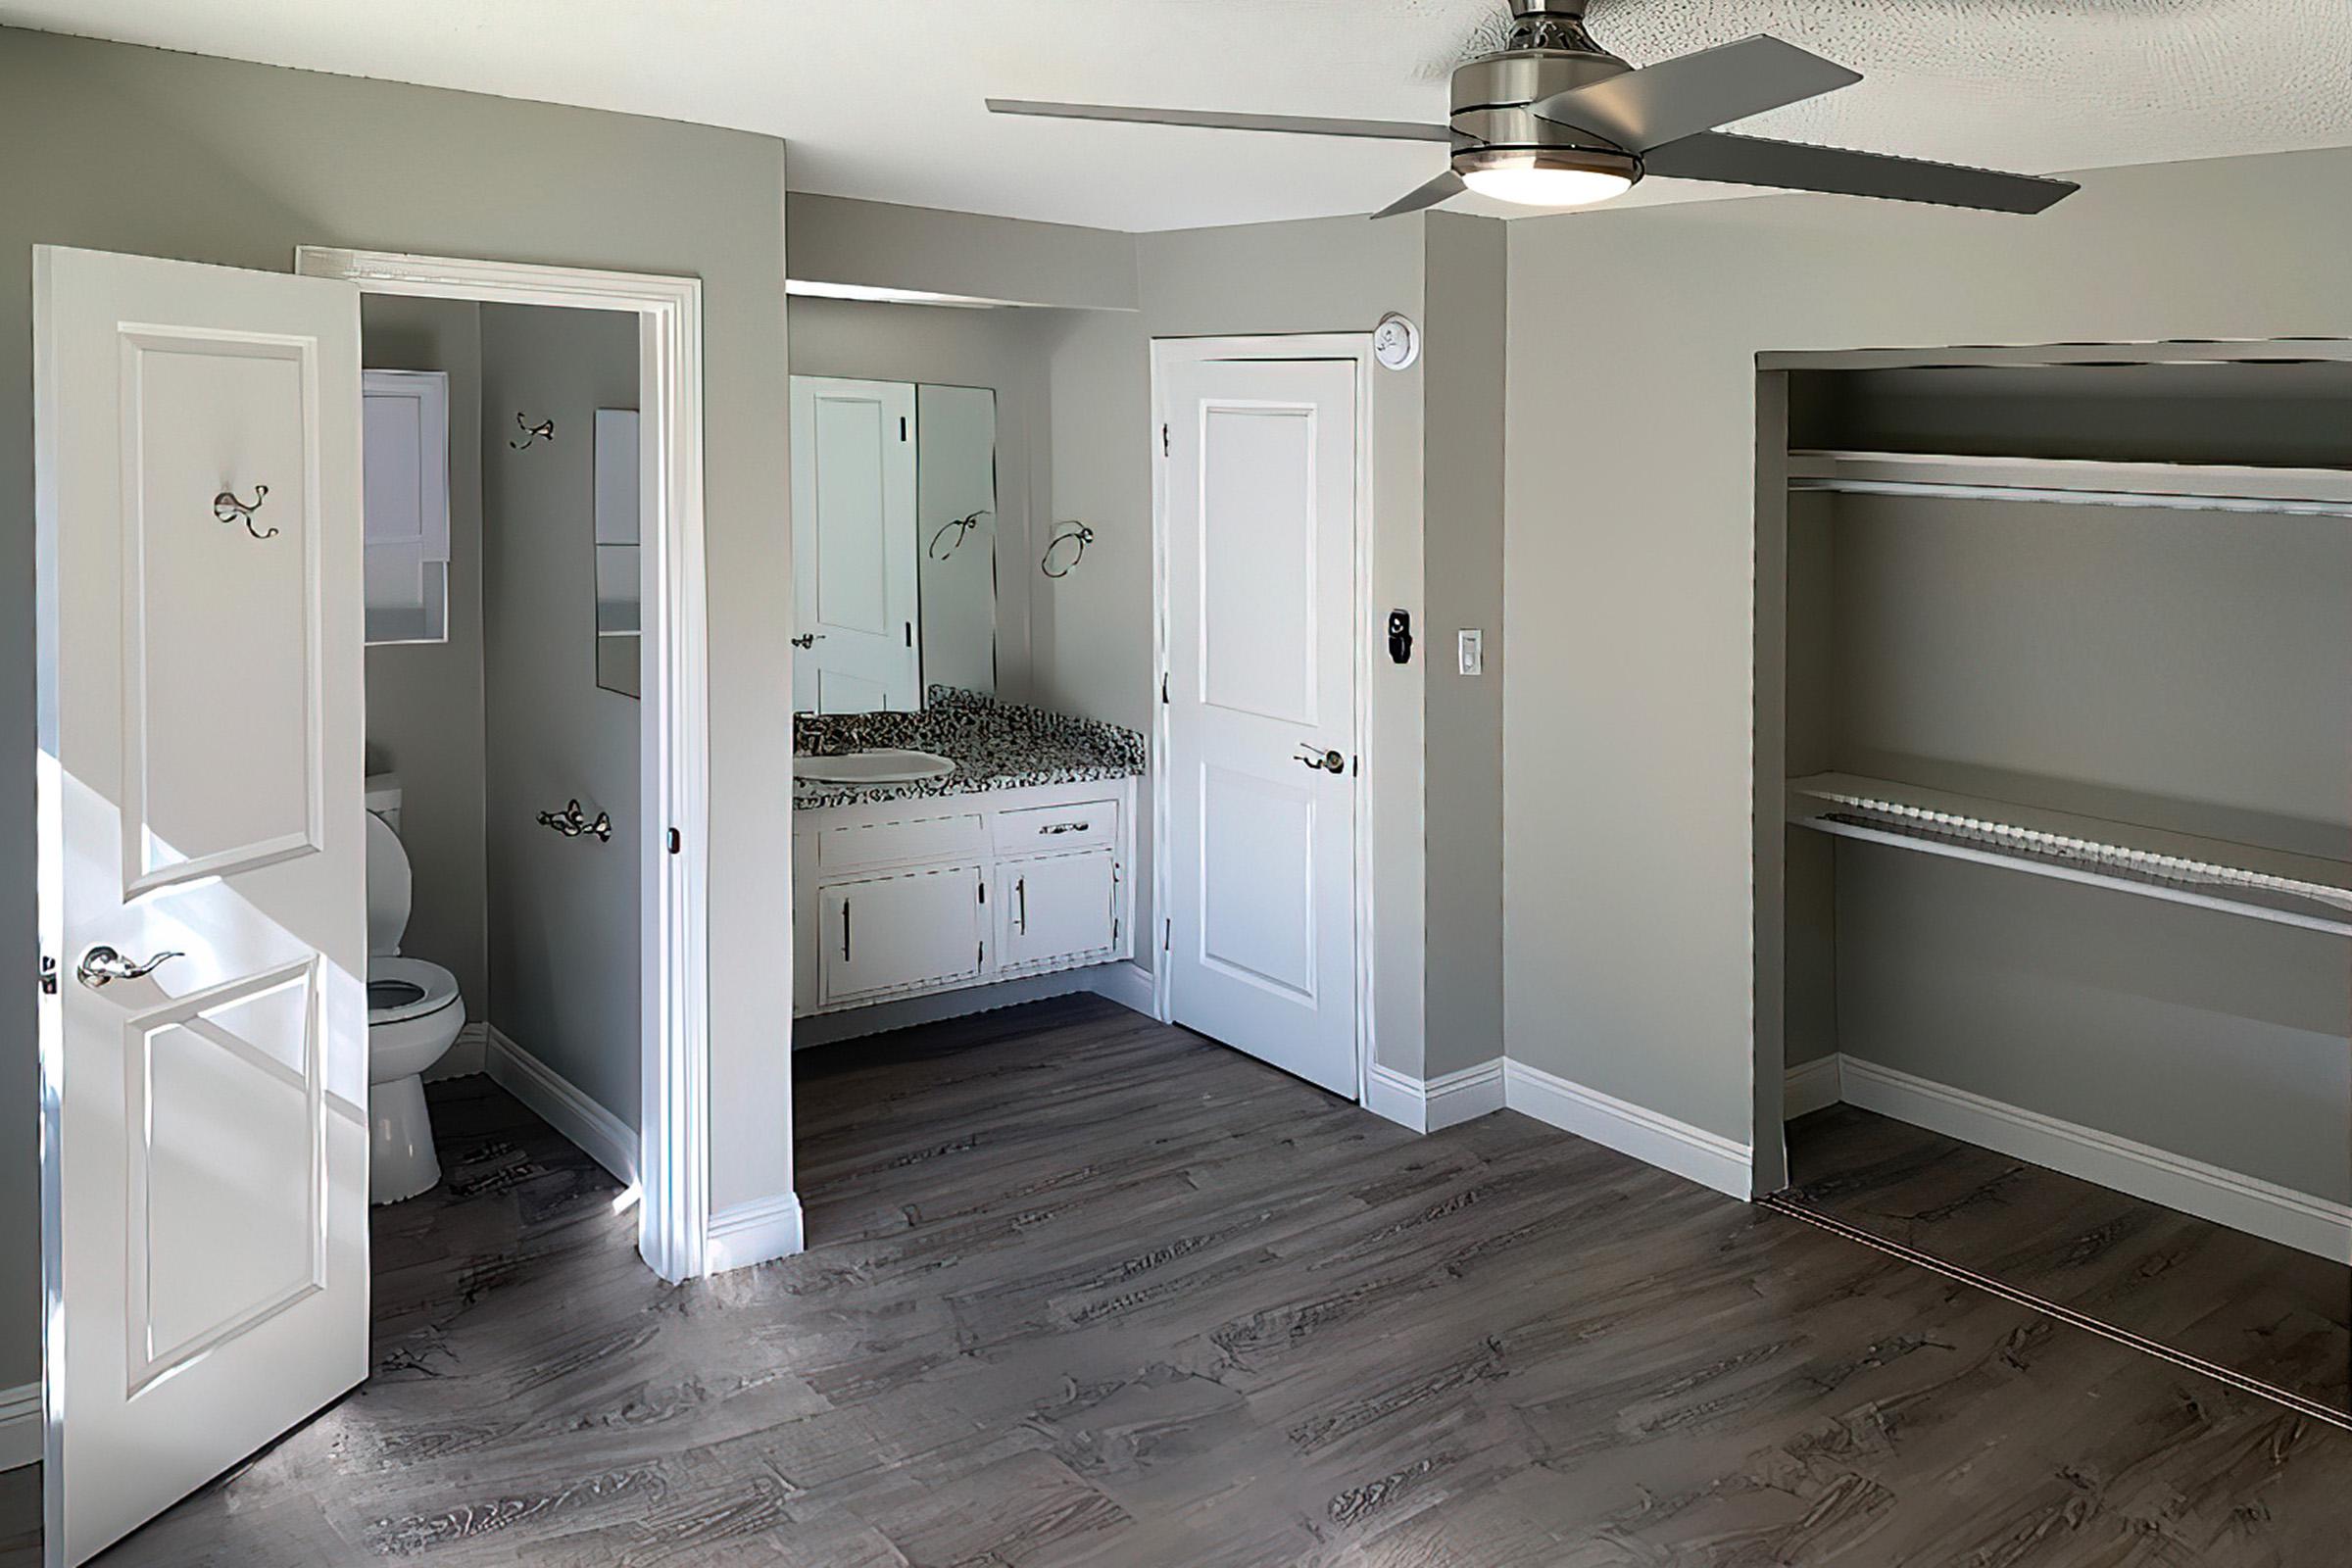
{"points": [[1470, 652]]}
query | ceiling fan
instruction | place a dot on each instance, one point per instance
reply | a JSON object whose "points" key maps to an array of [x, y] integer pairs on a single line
{"points": [[1553, 120]]}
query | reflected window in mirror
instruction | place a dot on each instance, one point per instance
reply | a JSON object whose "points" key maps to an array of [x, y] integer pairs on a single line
{"points": [[894, 542], [619, 498]]}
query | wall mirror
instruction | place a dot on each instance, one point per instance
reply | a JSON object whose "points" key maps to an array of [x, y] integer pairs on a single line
{"points": [[618, 582], [893, 530]]}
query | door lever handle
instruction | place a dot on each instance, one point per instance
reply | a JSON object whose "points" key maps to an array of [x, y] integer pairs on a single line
{"points": [[1329, 762], [102, 965]]}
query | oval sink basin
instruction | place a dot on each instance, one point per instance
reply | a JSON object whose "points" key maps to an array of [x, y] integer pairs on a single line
{"points": [[889, 766]]}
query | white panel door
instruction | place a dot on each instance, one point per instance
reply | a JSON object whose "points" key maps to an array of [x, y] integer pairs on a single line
{"points": [[1260, 479], [205, 1168], [853, 546]]}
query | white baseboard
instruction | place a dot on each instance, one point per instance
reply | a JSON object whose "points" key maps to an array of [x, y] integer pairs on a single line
{"points": [[1811, 1086], [599, 1134], [2225, 1197], [743, 1234], [19, 1426], [468, 1055], [1432, 1105], [1127, 983], [1693, 1153], [1395, 1097]]}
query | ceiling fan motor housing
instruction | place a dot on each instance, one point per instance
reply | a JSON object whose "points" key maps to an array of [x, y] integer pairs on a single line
{"points": [[1549, 52]]}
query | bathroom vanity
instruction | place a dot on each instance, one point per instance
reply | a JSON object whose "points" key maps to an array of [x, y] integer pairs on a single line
{"points": [[1014, 863]]}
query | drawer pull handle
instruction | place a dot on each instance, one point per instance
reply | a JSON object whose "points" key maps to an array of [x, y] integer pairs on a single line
{"points": [[845, 930], [1065, 827], [1020, 895]]}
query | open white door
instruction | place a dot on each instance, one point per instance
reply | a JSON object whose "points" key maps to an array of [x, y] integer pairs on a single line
{"points": [[854, 547], [204, 1142], [1260, 519]]}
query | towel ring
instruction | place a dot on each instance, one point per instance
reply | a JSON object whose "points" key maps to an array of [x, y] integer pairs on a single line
{"points": [[544, 430], [1076, 534], [962, 526]]}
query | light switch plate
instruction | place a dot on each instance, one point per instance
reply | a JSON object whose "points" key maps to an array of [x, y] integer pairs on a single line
{"points": [[1470, 652]]}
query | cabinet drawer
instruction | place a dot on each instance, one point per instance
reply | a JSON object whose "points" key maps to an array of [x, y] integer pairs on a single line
{"points": [[1056, 829], [907, 841]]}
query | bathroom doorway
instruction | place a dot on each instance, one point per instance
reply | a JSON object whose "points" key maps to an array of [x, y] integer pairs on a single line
{"points": [[666, 628]]}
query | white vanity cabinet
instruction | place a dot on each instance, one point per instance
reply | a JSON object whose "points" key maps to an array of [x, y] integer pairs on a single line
{"points": [[906, 898]]}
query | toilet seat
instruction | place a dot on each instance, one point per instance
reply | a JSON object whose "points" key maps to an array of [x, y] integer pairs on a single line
{"points": [[411, 987]]}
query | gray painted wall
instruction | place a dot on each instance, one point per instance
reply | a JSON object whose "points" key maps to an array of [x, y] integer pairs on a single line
{"points": [[424, 700], [132, 149], [1464, 341], [563, 912], [837, 239], [1005, 351], [1630, 539]]}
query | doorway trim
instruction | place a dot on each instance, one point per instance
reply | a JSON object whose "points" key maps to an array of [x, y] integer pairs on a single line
{"points": [[1355, 348], [673, 1156]]}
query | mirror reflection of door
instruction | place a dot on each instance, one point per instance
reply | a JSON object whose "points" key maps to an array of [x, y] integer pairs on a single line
{"points": [[894, 543], [618, 505]]}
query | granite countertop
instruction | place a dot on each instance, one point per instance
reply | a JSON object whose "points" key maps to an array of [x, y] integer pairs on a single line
{"points": [[995, 746]]}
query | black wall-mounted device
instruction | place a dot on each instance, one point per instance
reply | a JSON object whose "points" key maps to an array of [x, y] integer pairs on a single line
{"points": [[1400, 636]]}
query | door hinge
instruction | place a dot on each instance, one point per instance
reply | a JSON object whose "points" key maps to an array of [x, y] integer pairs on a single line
{"points": [[675, 842], [980, 956], [1164, 688], [902, 427], [981, 887], [48, 976], [1358, 763], [1167, 937], [1163, 440]]}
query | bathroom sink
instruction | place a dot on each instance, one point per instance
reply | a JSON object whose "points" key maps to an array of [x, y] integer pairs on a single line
{"points": [[888, 766]]}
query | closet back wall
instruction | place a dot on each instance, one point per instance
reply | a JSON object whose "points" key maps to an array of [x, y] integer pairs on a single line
{"points": [[564, 932], [424, 700]]}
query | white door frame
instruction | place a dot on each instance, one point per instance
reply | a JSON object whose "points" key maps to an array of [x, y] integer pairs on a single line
{"points": [[1356, 348], [673, 1157]]}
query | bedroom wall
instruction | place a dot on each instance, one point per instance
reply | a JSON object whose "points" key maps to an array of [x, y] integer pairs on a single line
{"points": [[1629, 496]]}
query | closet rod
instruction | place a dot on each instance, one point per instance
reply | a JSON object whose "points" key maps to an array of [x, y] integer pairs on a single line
{"points": [[2076, 481]]}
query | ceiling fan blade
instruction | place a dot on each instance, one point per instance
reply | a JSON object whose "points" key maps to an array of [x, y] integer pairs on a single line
{"points": [[1211, 120], [1654, 105], [1436, 191], [1795, 165]]}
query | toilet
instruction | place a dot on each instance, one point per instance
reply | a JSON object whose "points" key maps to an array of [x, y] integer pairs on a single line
{"points": [[413, 1016]]}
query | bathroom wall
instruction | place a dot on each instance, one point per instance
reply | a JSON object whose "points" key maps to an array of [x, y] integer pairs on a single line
{"points": [[564, 914], [1003, 350], [424, 700], [142, 150]]}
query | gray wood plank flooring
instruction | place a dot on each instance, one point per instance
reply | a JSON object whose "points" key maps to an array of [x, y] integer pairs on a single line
{"points": [[2259, 1308], [1083, 1290]]}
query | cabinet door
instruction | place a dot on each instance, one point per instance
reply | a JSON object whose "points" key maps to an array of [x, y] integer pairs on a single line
{"points": [[894, 933], [1056, 906]]}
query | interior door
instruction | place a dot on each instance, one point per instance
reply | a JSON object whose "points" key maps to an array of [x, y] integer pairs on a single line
{"points": [[204, 1051], [853, 546], [1260, 479]]}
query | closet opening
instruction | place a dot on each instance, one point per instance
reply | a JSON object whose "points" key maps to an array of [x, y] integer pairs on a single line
{"points": [[2053, 857]]}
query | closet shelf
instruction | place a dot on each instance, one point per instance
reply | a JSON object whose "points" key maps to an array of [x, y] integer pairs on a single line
{"points": [[2078, 481], [2264, 884]]}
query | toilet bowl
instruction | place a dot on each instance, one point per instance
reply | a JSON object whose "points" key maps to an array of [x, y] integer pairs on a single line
{"points": [[413, 1016]]}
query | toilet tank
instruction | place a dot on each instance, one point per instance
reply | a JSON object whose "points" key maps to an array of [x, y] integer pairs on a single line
{"points": [[381, 793]]}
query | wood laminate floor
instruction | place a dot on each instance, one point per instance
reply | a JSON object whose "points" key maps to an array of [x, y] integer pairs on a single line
{"points": [[2261, 1309], [1083, 1290]]}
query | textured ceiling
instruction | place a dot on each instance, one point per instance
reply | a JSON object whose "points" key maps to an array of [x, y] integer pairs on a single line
{"points": [[882, 100]]}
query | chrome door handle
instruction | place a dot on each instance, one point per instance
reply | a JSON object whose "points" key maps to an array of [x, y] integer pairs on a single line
{"points": [[807, 639], [102, 965], [1329, 762]]}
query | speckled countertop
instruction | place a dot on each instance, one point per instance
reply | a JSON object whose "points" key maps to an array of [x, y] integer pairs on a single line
{"points": [[995, 746]]}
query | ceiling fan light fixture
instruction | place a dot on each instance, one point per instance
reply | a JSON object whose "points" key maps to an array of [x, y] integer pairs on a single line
{"points": [[1558, 178]]}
